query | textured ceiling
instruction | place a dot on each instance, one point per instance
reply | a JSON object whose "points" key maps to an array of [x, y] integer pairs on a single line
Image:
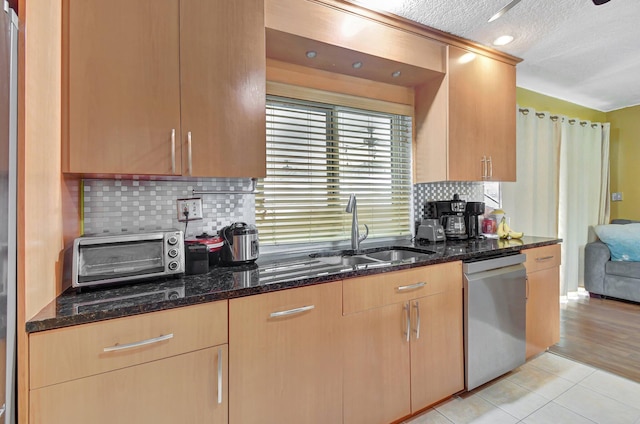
{"points": [[571, 49]]}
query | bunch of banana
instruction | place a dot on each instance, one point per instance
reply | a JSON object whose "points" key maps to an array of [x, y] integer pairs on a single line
{"points": [[504, 232], [502, 243]]}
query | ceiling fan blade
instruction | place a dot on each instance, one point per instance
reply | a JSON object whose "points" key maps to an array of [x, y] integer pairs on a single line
{"points": [[505, 9], [599, 2]]}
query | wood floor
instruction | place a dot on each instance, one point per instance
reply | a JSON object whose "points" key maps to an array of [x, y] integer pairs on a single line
{"points": [[603, 333]]}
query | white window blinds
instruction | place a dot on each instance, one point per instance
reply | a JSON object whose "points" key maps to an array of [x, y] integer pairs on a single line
{"points": [[317, 155]]}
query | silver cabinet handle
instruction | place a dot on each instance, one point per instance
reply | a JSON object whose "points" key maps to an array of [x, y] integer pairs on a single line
{"points": [[411, 286], [417, 330], [189, 155], [484, 167], [138, 344], [544, 258], [408, 314], [292, 311], [173, 151], [490, 161], [219, 375], [526, 296]]}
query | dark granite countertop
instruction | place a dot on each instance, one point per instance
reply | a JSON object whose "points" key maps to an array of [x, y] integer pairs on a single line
{"points": [[266, 275]]}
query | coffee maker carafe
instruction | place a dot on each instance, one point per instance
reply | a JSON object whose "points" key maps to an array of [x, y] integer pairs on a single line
{"points": [[451, 215]]}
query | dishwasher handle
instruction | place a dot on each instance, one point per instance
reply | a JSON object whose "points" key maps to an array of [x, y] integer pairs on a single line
{"points": [[480, 265]]}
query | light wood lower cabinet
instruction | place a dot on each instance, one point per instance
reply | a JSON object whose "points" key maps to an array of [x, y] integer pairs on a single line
{"points": [[285, 362], [543, 298], [180, 389], [161, 367], [402, 357]]}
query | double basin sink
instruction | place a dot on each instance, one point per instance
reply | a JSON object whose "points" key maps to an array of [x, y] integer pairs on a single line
{"points": [[372, 256], [335, 262]]}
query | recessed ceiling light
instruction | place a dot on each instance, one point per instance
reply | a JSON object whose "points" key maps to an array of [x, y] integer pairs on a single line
{"points": [[396, 74], [467, 57], [503, 40], [357, 65], [311, 54]]}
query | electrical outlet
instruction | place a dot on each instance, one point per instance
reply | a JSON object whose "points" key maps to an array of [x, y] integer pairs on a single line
{"points": [[616, 197], [193, 206]]}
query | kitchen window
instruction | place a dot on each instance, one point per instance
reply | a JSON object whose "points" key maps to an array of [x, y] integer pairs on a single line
{"points": [[317, 155]]}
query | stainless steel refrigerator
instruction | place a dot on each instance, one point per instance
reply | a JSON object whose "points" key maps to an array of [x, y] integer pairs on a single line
{"points": [[8, 203]]}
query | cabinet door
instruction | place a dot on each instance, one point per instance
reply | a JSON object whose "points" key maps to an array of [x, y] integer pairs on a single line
{"points": [[482, 120], [286, 356], [123, 82], [437, 354], [180, 389], [223, 66], [543, 310], [376, 366]]}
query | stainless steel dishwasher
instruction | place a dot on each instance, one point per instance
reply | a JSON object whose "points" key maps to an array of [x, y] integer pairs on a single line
{"points": [[494, 317]]}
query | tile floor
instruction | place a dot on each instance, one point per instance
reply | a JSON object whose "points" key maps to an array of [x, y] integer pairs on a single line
{"points": [[549, 389]]}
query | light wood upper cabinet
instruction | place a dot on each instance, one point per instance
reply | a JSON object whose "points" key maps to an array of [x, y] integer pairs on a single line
{"points": [[165, 87], [543, 298], [466, 121], [286, 356], [223, 67], [123, 86]]}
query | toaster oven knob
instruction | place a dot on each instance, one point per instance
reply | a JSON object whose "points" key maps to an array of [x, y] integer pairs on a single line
{"points": [[172, 240], [173, 265], [173, 253]]}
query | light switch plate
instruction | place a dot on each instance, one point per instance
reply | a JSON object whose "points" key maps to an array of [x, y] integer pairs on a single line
{"points": [[193, 205]]}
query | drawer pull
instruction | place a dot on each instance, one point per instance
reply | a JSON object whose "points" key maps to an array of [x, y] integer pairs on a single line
{"points": [[411, 286], [219, 375], [291, 311], [544, 258], [138, 344]]}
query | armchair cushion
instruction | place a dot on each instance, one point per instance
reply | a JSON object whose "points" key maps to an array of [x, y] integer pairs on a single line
{"points": [[623, 240]]}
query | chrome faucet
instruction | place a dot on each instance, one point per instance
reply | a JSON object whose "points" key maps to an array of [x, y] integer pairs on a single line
{"points": [[352, 208]]}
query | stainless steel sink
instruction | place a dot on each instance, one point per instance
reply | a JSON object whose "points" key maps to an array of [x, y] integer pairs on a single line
{"points": [[347, 260], [392, 254], [396, 255]]}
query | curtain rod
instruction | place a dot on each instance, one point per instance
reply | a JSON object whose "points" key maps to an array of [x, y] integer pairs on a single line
{"points": [[554, 118]]}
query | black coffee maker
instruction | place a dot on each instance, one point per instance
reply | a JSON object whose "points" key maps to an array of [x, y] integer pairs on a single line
{"points": [[472, 211], [450, 213]]}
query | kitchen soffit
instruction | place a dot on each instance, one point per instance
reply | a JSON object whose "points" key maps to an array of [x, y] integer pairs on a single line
{"points": [[291, 48], [571, 49]]}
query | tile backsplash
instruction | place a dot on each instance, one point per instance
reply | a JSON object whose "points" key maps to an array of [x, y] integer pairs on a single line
{"points": [[469, 191], [132, 205], [115, 206]]}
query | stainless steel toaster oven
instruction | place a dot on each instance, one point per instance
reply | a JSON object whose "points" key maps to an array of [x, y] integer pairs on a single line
{"points": [[107, 259]]}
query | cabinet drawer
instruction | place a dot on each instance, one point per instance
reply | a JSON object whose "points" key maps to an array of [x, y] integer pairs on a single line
{"points": [[364, 293], [83, 350], [180, 389], [542, 257]]}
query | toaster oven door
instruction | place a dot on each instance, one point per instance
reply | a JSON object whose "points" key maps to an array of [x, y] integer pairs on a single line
{"points": [[120, 261]]}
